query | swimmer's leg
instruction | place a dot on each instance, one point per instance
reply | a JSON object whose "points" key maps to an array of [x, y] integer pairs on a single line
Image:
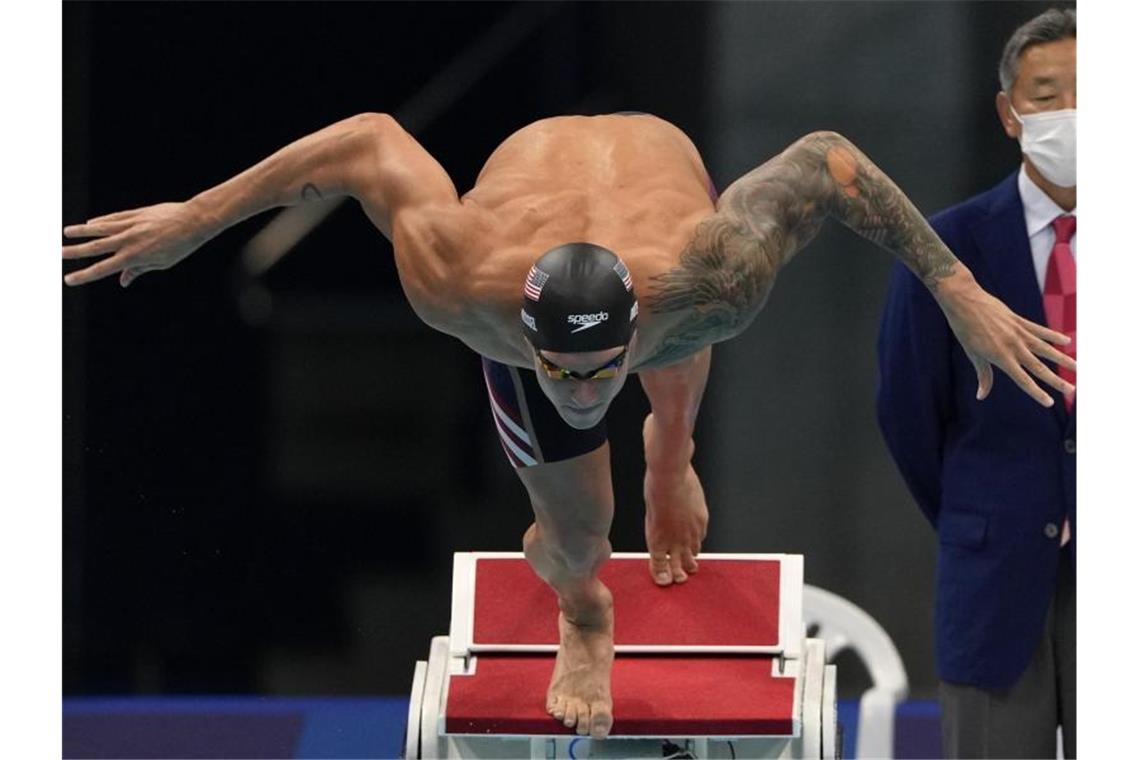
{"points": [[567, 545], [567, 474]]}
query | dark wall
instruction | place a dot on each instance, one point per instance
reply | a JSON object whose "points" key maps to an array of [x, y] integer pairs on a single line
{"points": [[265, 478]]}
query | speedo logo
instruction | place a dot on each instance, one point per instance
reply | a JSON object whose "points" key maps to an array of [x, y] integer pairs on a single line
{"points": [[586, 321], [581, 319]]}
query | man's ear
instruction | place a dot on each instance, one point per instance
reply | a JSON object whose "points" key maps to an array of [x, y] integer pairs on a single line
{"points": [[1005, 115]]}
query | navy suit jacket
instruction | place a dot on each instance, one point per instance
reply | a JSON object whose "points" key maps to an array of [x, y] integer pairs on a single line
{"points": [[997, 477]]}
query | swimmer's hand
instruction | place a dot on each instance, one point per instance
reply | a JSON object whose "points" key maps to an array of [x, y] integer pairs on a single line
{"points": [[676, 522], [992, 334], [140, 240]]}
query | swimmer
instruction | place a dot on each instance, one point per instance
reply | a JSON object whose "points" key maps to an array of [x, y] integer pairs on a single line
{"points": [[590, 248]]}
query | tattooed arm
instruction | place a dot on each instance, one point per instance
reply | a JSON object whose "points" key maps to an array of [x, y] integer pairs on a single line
{"points": [[765, 217], [368, 157]]}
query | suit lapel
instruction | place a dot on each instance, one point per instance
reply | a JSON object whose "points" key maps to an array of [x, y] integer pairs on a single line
{"points": [[1007, 264], [1006, 258]]}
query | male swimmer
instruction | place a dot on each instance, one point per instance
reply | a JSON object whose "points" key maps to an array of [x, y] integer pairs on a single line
{"points": [[537, 268]]}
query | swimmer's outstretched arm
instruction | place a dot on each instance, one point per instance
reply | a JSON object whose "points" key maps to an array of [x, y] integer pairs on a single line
{"points": [[772, 212], [676, 515], [368, 157]]}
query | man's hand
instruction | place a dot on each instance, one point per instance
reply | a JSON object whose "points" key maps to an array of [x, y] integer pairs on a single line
{"points": [[991, 334], [676, 522], [141, 240]]}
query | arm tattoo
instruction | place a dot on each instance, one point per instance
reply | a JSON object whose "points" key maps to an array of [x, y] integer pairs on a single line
{"points": [[310, 192], [867, 201], [721, 281], [765, 217]]}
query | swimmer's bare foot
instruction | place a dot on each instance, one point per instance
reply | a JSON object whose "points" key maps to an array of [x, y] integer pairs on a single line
{"points": [[579, 693]]}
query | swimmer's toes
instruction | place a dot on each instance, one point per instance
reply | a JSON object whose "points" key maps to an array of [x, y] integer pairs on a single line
{"points": [[601, 720], [571, 718]]}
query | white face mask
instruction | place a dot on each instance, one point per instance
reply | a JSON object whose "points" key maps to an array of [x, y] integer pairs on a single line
{"points": [[1049, 140]]}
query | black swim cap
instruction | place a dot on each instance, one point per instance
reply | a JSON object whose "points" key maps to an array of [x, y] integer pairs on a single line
{"points": [[578, 297]]}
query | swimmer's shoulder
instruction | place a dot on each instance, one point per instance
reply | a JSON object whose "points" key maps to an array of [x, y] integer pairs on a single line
{"points": [[705, 293], [437, 248]]}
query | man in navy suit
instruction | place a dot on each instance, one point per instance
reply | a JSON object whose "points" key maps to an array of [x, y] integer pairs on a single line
{"points": [[997, 478]]}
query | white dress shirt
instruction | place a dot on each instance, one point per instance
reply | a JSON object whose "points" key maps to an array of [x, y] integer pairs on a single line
{"points": [[1040, 211]]}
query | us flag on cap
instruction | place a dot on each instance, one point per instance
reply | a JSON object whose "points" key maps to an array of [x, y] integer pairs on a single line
{"points": [[534, 282], [623, 273]]}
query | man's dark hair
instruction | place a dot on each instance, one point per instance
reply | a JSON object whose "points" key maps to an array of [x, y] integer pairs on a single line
{"points": [[1052, 25]]}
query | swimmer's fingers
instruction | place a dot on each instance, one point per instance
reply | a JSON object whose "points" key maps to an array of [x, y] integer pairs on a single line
{"points": [[1047, 352], [98, 229], [1043, 373], [1013, 369], [143, 240], [98, 271], [985, 376], [1044, 333], [130, 274], [991, 334], [99, 247]]}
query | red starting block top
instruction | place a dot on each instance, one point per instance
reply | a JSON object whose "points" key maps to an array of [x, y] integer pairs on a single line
{"points": [[735, 603], [735, 695]]}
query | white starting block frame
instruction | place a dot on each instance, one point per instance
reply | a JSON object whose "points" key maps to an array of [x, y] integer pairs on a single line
{"points": [[814, 717]]}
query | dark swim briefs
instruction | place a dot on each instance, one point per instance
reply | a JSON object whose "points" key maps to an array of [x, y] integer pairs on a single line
{"points": [[529, 426]]}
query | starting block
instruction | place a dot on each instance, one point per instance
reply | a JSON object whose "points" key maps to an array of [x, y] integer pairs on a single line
{"points": [[717, 667]]}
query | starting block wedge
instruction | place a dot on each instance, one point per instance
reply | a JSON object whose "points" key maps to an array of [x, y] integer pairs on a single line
{"points": [[715, 667]]}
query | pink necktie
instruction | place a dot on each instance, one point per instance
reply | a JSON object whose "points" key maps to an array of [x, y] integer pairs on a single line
{"points": [[1061, 294], [1061, 305]]}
